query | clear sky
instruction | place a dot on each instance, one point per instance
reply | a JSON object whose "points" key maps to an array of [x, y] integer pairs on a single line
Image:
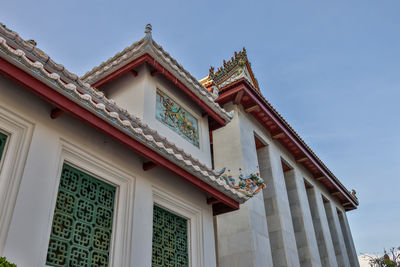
{"points": [[331, 68]]}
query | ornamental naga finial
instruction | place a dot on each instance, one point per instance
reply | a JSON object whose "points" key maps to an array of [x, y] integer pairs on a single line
{"points": [[148, 29]]}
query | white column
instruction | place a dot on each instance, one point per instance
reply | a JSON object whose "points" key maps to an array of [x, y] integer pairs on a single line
{"points": [[279, 219], [302, 221], [337, 236], [351, 250], [321, 228], [242, 235], [141, 249], [27, 242]]}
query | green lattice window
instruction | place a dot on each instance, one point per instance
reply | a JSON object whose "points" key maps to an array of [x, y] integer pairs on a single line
{"points": [[82, 223], [170, 239], [3, 140]]}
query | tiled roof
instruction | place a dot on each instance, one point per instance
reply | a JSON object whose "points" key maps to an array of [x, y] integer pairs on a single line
{"points": [[237, 67], [38, 64], [149, 46]]}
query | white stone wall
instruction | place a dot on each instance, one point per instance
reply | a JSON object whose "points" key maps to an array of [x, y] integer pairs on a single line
{"points": [[243, 238], [67, 138], [138, 96]]}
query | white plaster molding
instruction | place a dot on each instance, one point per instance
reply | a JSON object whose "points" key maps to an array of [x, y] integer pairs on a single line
{"points": [[195, 222], [123, 207], [19, 132]]}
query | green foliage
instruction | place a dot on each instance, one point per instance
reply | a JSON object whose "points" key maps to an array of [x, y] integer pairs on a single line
{"points": [[5, 263]]}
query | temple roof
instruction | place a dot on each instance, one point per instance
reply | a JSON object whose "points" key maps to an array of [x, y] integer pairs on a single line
{"points": [[236, 68], [148, 46], [27, 57]]}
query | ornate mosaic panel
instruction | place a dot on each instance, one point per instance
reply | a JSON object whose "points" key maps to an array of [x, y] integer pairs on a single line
{"points": [[82, 223], [177, 118], [3, 140], [170, 239]]}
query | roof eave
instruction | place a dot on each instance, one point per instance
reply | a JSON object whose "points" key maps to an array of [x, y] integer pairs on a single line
{"points": [[49, 94], [243, 84], [59, 87]]}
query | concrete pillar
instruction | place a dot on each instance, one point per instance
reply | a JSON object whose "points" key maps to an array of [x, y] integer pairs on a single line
{"points": [[242, 235], [279, 219], [348, 239], [337, 236], [141, 249], [321, 228], [302, 221]]}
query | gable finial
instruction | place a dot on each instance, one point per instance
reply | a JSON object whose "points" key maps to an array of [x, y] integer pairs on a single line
{"points": [[148, 30]]}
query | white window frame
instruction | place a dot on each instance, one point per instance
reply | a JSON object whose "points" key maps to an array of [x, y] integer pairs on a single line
{"points": [[19, 135], [121, 240], [193, 214], [2, 153]]}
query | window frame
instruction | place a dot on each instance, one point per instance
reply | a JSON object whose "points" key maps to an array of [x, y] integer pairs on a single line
{"points": [[3, 152], [122, 229], [19, 133], [114, 207], [186, 210]]}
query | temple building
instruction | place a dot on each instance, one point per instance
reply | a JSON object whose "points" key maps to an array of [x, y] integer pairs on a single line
{"points": [[138, 163]]}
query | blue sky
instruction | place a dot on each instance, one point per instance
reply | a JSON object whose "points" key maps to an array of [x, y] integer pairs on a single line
{"points": [[331, 68]]}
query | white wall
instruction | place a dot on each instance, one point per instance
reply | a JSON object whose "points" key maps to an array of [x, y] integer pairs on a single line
{"points": [[243, 238], [29, 231], [138, 96], [234, 147]]}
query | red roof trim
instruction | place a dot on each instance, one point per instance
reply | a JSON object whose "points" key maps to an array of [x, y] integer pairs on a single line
{"points": [[146, 58], [86, 116], [242, 84]]}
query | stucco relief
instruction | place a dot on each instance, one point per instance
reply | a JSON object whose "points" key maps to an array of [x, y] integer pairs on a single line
{"points": [[177, 118]]}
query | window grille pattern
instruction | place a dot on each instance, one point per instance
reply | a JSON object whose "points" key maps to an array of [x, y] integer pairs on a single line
{"points": [[3, 140], [170, 242], [82, 223]]}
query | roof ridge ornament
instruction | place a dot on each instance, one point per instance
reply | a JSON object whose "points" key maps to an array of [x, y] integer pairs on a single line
{"points": [[148, 30], [230, 71], [32, 42], [248, 185], [211, 72], [354, 194]]}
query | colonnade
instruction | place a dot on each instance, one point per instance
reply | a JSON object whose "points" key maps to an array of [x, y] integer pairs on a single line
{"points": [[294, 222]]}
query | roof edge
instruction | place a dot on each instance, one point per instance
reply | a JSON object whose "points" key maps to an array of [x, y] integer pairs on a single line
{"points": [[328, 173]]}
